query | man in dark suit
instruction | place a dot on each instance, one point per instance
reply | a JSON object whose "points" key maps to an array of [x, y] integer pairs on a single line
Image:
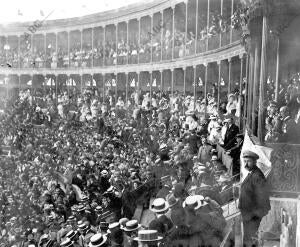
{"points": [[161, 223], [254, 202], [231, 132]]}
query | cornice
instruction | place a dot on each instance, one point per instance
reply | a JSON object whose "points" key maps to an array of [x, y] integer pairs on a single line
{"points": [[223, 53]]}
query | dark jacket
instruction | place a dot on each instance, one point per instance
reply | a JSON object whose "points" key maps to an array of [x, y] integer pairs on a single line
{"points": [[230, 135], [162, 224], [254, 198]]}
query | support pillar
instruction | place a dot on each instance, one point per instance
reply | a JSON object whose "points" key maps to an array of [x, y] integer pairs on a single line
{"points": [[184, 87], [161, 81], [208, 10], [126, 88], [196, 35], [127, 35], [277, 69], [172, 82], [150, 72], [186, 27], [81, 38], [195, 86], [162, 35], [219, 82], [139, 40], [117, 57], [151, 37], [241, 90], [263, 79], [173, 32], [92, 60], [229, 75], [116, 88], [245, 114], [104, 45], [205, 87]]}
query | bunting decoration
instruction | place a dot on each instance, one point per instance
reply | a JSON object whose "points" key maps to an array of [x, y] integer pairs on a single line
{"points": [[154, 83], [132, 83]]}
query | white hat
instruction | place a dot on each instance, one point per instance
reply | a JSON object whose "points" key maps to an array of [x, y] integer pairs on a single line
{"points": [[159, 205]]}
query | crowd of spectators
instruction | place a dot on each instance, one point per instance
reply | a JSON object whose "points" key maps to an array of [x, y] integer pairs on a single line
{"points": [[82, 167], [183, 46], [282, 116]]}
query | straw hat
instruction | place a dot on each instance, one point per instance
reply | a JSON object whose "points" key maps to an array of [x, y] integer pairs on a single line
{"points": [[159, 205], [195, 202], [97, 240], [148, 236], [131, 226]]}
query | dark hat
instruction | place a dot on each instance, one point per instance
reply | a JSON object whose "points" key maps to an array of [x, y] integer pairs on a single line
{"points": [[172, 200], [131, 225], [250, 154], [104, 225]]}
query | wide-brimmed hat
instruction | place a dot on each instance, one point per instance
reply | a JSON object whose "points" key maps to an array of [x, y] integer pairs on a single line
{"points": [[67, 243], [113, 226], [83, 227], [172, 200], [80, 208], [148, 236], [98, 209], [195, 202], [159, 205], [214, 157], [123, 222], [132, 225], [97, 240], [71, 234], [104, 172]]}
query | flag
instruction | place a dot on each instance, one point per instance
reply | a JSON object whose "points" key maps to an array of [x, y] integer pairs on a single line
{"points": [[264, 153], [113, 83], [132, 84], [42, 13], [154, 83], [49, 82], [222, 83], [200, 82]]}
